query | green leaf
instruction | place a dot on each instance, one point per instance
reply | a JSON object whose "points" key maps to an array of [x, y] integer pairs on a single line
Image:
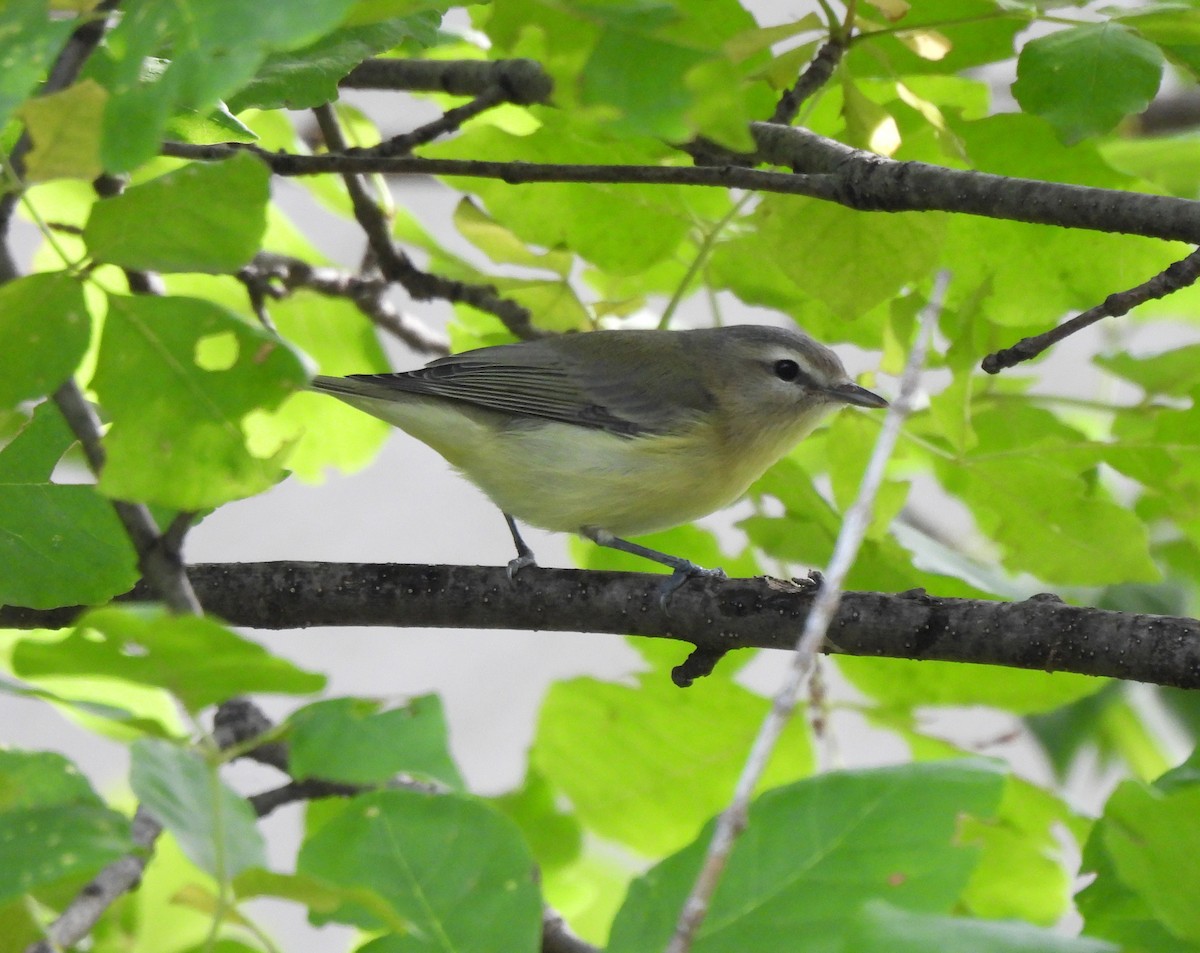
{"points": [[53, 827], [815, 852], [29, 40], [848, 261], [329, 433], [202, 217], [1024, 872], [1085, 79], [45, 325], [308, 77], [215, 827], [214, 48], [1028, 485], [197, 659], [881, 926], [317, 895], [642, 224], [65, 130], [667, 759], [60, 544], [178, 377], [908, 684], [554, 834], [1172, 372], [1153, 839], [453, 867], [352, 740]]}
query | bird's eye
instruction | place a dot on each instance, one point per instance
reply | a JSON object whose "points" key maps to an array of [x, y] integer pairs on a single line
{"points": [[787, 370]]}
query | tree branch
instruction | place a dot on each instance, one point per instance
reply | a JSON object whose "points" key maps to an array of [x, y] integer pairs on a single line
{"points": [[1178, 275], [275, 276], [831, 172], [518, 81], [398, 267], [1038, 633]]}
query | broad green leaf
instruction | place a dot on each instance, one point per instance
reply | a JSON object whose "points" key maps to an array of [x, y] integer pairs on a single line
{"points": [[1037, 500], [1024, 871], [60, 544], [501, 245], [642, 225], [214, 47], [65, 130], [456, 869], [197, 659], [206, 217], [53, 827], [308, 77], [909, 684], [44, 324], [554, 835], [1153, 839], [849, 261], [881, 926], [317, 895], [665, 760], [29, 40], [1172, 372], [215, 827], [329, 433], [1174, 27], [178, 377], [354, 741], [1085, 79], [815, 852], [1170, 162]]}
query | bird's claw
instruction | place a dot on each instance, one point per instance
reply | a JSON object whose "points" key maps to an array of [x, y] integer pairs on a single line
{"points": [[681, 575], [516, 564]]}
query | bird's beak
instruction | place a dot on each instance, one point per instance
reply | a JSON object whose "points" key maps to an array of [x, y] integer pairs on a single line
{"points": [[859, 396]]}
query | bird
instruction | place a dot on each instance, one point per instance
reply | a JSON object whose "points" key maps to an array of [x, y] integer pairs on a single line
{"points": [[613, 433]]}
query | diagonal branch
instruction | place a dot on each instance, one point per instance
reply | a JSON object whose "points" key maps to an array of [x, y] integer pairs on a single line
{"points": [[397, 266], [519, 81], [1038, 633], [1179, 275]]}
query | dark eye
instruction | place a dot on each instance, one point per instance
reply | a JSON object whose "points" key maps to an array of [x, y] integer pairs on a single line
{"points": [[787, 370]]}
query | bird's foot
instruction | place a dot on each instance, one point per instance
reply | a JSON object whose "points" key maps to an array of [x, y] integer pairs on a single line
{"points": [[684, 571], [516, 564]]}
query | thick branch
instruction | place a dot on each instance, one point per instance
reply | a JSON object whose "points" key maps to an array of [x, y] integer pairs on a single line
{"points": [[1039, 633]]}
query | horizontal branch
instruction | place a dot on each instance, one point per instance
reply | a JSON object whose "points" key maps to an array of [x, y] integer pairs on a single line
{"points": [[830, 171], [715, 615]]}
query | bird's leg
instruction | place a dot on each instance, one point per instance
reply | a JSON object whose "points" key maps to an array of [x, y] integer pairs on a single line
{"points": [[684, 569], [524, 556]]}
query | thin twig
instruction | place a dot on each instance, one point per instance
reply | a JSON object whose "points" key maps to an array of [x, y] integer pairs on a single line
{"points": [[448, 122], [274, 276], [397, 266], [732, 821], [1179, 275]]}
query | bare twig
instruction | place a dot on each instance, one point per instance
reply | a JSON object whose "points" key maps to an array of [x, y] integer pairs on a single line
{"points": [[396, 265], [1177, 276], [102, 891], [732, 821], [449, 121], [274, 276]]}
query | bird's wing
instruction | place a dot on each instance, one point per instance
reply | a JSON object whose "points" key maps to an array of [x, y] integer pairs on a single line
{"points": [[566, 379]]}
